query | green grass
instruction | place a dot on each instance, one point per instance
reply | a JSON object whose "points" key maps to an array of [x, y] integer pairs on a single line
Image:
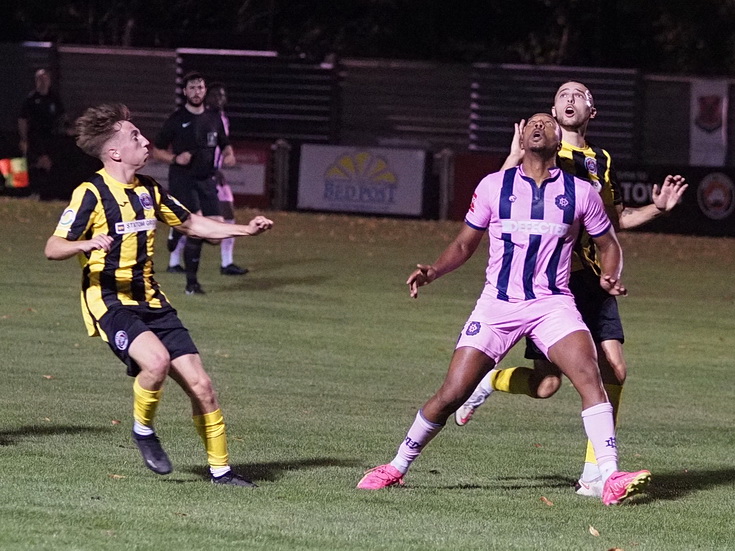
{"points": [[321, 360]]}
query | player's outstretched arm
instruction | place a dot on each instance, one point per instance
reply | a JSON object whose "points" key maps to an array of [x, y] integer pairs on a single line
{"points": [[207, 228], [456, 254], [665, 198], [58, 248]]}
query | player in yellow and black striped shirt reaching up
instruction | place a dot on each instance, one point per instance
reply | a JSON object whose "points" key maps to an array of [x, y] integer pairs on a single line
{"points": [[110, 224]]}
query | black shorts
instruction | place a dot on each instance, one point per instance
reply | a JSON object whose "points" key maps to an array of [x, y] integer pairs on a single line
{"points": [[599, 311], [196, 195], [123, 324]]}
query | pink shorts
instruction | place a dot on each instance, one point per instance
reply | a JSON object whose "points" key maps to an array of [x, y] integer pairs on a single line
{"points": [[495, 326]]}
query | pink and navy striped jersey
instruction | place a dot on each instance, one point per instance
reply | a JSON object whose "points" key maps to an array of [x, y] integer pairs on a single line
{"points": [[532, 229]]}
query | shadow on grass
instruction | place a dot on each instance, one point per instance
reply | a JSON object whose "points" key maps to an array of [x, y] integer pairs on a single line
{"points": [[272, 471], [675, 485], [516, 483], [664, 486], [11, 437]]}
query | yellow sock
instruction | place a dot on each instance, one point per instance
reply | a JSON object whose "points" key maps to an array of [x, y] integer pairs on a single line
{"points": [[145, 403], [514, 380], [614, 393], [211, 428]]}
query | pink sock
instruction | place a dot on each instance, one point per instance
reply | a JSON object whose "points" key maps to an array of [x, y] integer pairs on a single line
{"points": [[227, 247], [420, 434], [600, 429]]}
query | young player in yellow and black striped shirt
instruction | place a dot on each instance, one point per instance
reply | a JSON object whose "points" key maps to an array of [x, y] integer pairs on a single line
{"points": [[110, 224], [573, 108]]}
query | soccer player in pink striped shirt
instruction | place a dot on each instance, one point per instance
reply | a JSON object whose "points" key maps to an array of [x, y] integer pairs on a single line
{"points": [[533, 214]]}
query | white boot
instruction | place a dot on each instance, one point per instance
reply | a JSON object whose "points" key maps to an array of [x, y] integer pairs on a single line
{"points": [[483, 391]]}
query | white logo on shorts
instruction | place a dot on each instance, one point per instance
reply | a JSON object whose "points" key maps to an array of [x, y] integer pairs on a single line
{"points": [[121, 340]]}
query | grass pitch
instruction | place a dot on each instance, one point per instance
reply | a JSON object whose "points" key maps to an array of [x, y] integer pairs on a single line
{"points": [[321, 361]]}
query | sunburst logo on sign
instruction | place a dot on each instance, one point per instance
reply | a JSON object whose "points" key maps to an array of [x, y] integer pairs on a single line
{"points": [[360, 177]]}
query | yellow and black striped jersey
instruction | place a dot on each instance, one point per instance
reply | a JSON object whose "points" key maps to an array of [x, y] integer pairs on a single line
{"points": [[127, 213], [593, 164]]}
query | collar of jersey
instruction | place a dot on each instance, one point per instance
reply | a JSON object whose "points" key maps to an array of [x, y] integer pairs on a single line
{"points": [[570, 147], [554, 171], [110, 181]]}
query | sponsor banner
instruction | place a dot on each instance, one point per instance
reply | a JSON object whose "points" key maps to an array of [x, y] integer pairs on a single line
{"points": [[248, 178], [361, 179], [534, 227], [708, 122], [469, 169], [250, 175], [134, 226], [707, 207]]}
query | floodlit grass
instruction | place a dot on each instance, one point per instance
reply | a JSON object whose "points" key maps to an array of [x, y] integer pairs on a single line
{"points": [[321, 360]]}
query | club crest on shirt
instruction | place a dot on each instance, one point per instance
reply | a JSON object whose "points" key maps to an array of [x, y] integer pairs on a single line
{"points": [[473, 328], [562, 202], [590, 163], [121, 340], [146, 201]]}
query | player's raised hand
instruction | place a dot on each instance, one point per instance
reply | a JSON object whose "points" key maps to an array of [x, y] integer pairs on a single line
{"points": [[515, 145], [668, 195], [422, 275], [515, 156]]}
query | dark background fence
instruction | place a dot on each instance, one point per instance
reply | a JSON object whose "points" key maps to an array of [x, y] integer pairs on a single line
{"points": [[643, 120]]}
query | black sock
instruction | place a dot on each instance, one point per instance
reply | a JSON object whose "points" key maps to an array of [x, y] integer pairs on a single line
{"points": [[192, 253]]}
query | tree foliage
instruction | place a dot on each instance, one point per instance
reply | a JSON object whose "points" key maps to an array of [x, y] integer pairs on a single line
{"points": [[673, 36]]}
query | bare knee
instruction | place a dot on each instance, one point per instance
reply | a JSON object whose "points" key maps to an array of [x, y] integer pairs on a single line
{"points": [[613, 367], [545, 380], [547, 386], [619, 372], [202, 388], [156, 365], [449, 397]]}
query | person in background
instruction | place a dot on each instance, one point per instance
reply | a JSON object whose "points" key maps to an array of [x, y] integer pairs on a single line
{"points": [[216, 100], [188, 142], [40, 125]]}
